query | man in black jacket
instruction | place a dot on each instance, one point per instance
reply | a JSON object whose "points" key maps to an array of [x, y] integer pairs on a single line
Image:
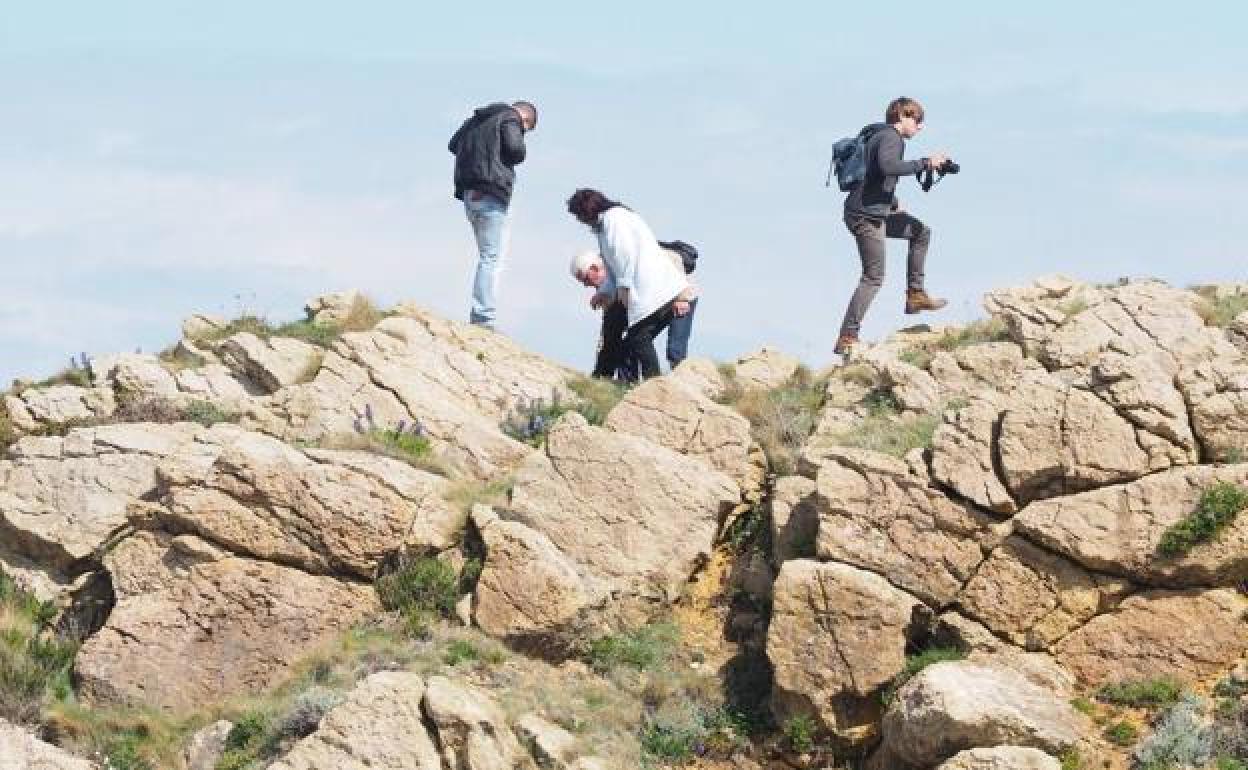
{"points": [[487, 147], [872, 213]]}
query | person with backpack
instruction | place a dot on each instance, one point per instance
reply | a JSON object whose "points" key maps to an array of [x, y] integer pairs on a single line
{"points": [[487, 148], [629, 268], [872, 212]]}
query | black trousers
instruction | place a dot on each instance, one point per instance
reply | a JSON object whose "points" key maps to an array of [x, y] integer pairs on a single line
{"points": [[628, 353]]}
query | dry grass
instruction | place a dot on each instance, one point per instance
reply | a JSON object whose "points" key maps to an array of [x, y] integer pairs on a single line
{"points": [[416, 451], [465, 493], [1219, 311], [363, 316], [781, 419], [974, 333]]}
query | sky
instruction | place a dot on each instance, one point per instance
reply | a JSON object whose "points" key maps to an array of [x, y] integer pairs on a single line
{"points": [[159, 159]]}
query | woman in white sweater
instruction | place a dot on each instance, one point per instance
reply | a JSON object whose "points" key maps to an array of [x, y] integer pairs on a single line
{"points": [[638, 274]]}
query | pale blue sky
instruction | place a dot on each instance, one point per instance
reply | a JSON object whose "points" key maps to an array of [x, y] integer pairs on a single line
{"points": [[164, 158]]}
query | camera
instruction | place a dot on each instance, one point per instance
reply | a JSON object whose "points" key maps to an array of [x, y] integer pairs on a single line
{"points": [[948, 167]]}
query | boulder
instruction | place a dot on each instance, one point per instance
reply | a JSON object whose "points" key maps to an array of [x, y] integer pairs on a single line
{"points": [[838, 634], [528, 591], [1142, 391], [57, 405], [1001, 758], [551, 745], [273, 363], [215, 384], [912, 388], [875, 515], [1117, 529], [794, 518], [636, 519], [63, 499], [201, 325], [1034, 597], [21, 750], [1218, 393], [206, 746], [378, 725], [472, 730], [664, 411], [336, 307], [135, 375], [765, 369], [325, 511], [964, 455], [997, 366], [1187, 635], [954, 706], [701, 375], [193, 623]]}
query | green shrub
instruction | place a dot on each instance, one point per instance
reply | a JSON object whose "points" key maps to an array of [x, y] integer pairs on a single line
{"points": [[125, 753], [420, 589], [1217, 508], [1144, 693], [799, 732], [667, 744], [530, 421], [305, 713], [206, 413], [915, 664], [34, 659], [1083, 706], [1122, 734], [642, 648], [1230, 763], [1220, 311], [8, 433], [459, 651], [598, 397], [1070, 759]]}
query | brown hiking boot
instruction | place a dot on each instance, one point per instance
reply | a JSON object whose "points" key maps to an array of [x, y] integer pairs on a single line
{"points": [[918, 300], [844, 343]]}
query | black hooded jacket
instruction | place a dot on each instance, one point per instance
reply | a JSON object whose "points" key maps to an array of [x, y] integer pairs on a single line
{"points": [[486, 147], [875, 195]]}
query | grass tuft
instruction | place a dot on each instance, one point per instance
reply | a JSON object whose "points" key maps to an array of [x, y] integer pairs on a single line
{"points": [[420, 590], [885, 430], [974, 333], [1122, 733], [1219, 311], [35, 660], [1217, 508], [916, 663], [1144, 693], [642, 648], [781, 419]]}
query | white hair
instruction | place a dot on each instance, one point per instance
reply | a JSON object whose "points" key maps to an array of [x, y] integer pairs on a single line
{"points": [[582, 261]]}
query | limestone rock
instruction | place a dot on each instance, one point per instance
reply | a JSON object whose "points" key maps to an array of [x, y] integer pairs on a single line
{"points": [[54, 404], [135, 375], [334, 308], [963, 455], [215, 384], [207, 745], [1143, 391], [1033, 313], [552, 746], [873, 514], [271, 363], [1190, 636], [765, 369], [325, 511], [667, 413], [1218, 393], [635, 518], [794, 518], [701, 375], [62, 499], [1034, 597], [20, 750], [472, 730], [193, 623], [838, 634], [914, 389], [997, 366], [528, 589], [1117, 529], [1057, 439], [379, 725], [951, 707], [201, 325], [1001, 758]]}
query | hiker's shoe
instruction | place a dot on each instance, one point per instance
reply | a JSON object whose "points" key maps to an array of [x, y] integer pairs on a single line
{"points": [[918, 300], [844, 344]]}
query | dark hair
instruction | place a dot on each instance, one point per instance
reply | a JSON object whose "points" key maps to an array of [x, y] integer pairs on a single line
{"points": [[587, 205], [527, 106], [903, 107]]}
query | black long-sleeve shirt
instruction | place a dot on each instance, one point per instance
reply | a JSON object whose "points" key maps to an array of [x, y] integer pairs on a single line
{"points": [[884, 151]]}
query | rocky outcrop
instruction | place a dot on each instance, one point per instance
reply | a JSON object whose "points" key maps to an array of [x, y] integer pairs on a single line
{"points": [[952, 707], [875, 515], [271, 363], [1001, 758], [764, 369], [1188, 636], [838, 635], [21, 750], [472, 731], [194, 623], [379, 725]]}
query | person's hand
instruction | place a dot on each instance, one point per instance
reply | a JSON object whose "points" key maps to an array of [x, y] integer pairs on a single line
{"points": [[680, 308], [937, 159], [599, 299]]}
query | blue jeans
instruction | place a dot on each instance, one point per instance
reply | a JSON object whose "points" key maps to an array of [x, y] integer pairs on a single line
{"points": [[678, 335], [488, 217]]}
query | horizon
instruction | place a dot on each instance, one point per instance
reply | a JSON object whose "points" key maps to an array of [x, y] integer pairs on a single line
{"points": [[164, 159]]}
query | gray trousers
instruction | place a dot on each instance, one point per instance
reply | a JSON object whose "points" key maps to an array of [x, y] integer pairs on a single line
{"points": [[870, 234]]}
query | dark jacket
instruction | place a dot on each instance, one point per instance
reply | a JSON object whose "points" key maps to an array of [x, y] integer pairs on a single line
{"points": [[875, 196], [486, 147]]}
